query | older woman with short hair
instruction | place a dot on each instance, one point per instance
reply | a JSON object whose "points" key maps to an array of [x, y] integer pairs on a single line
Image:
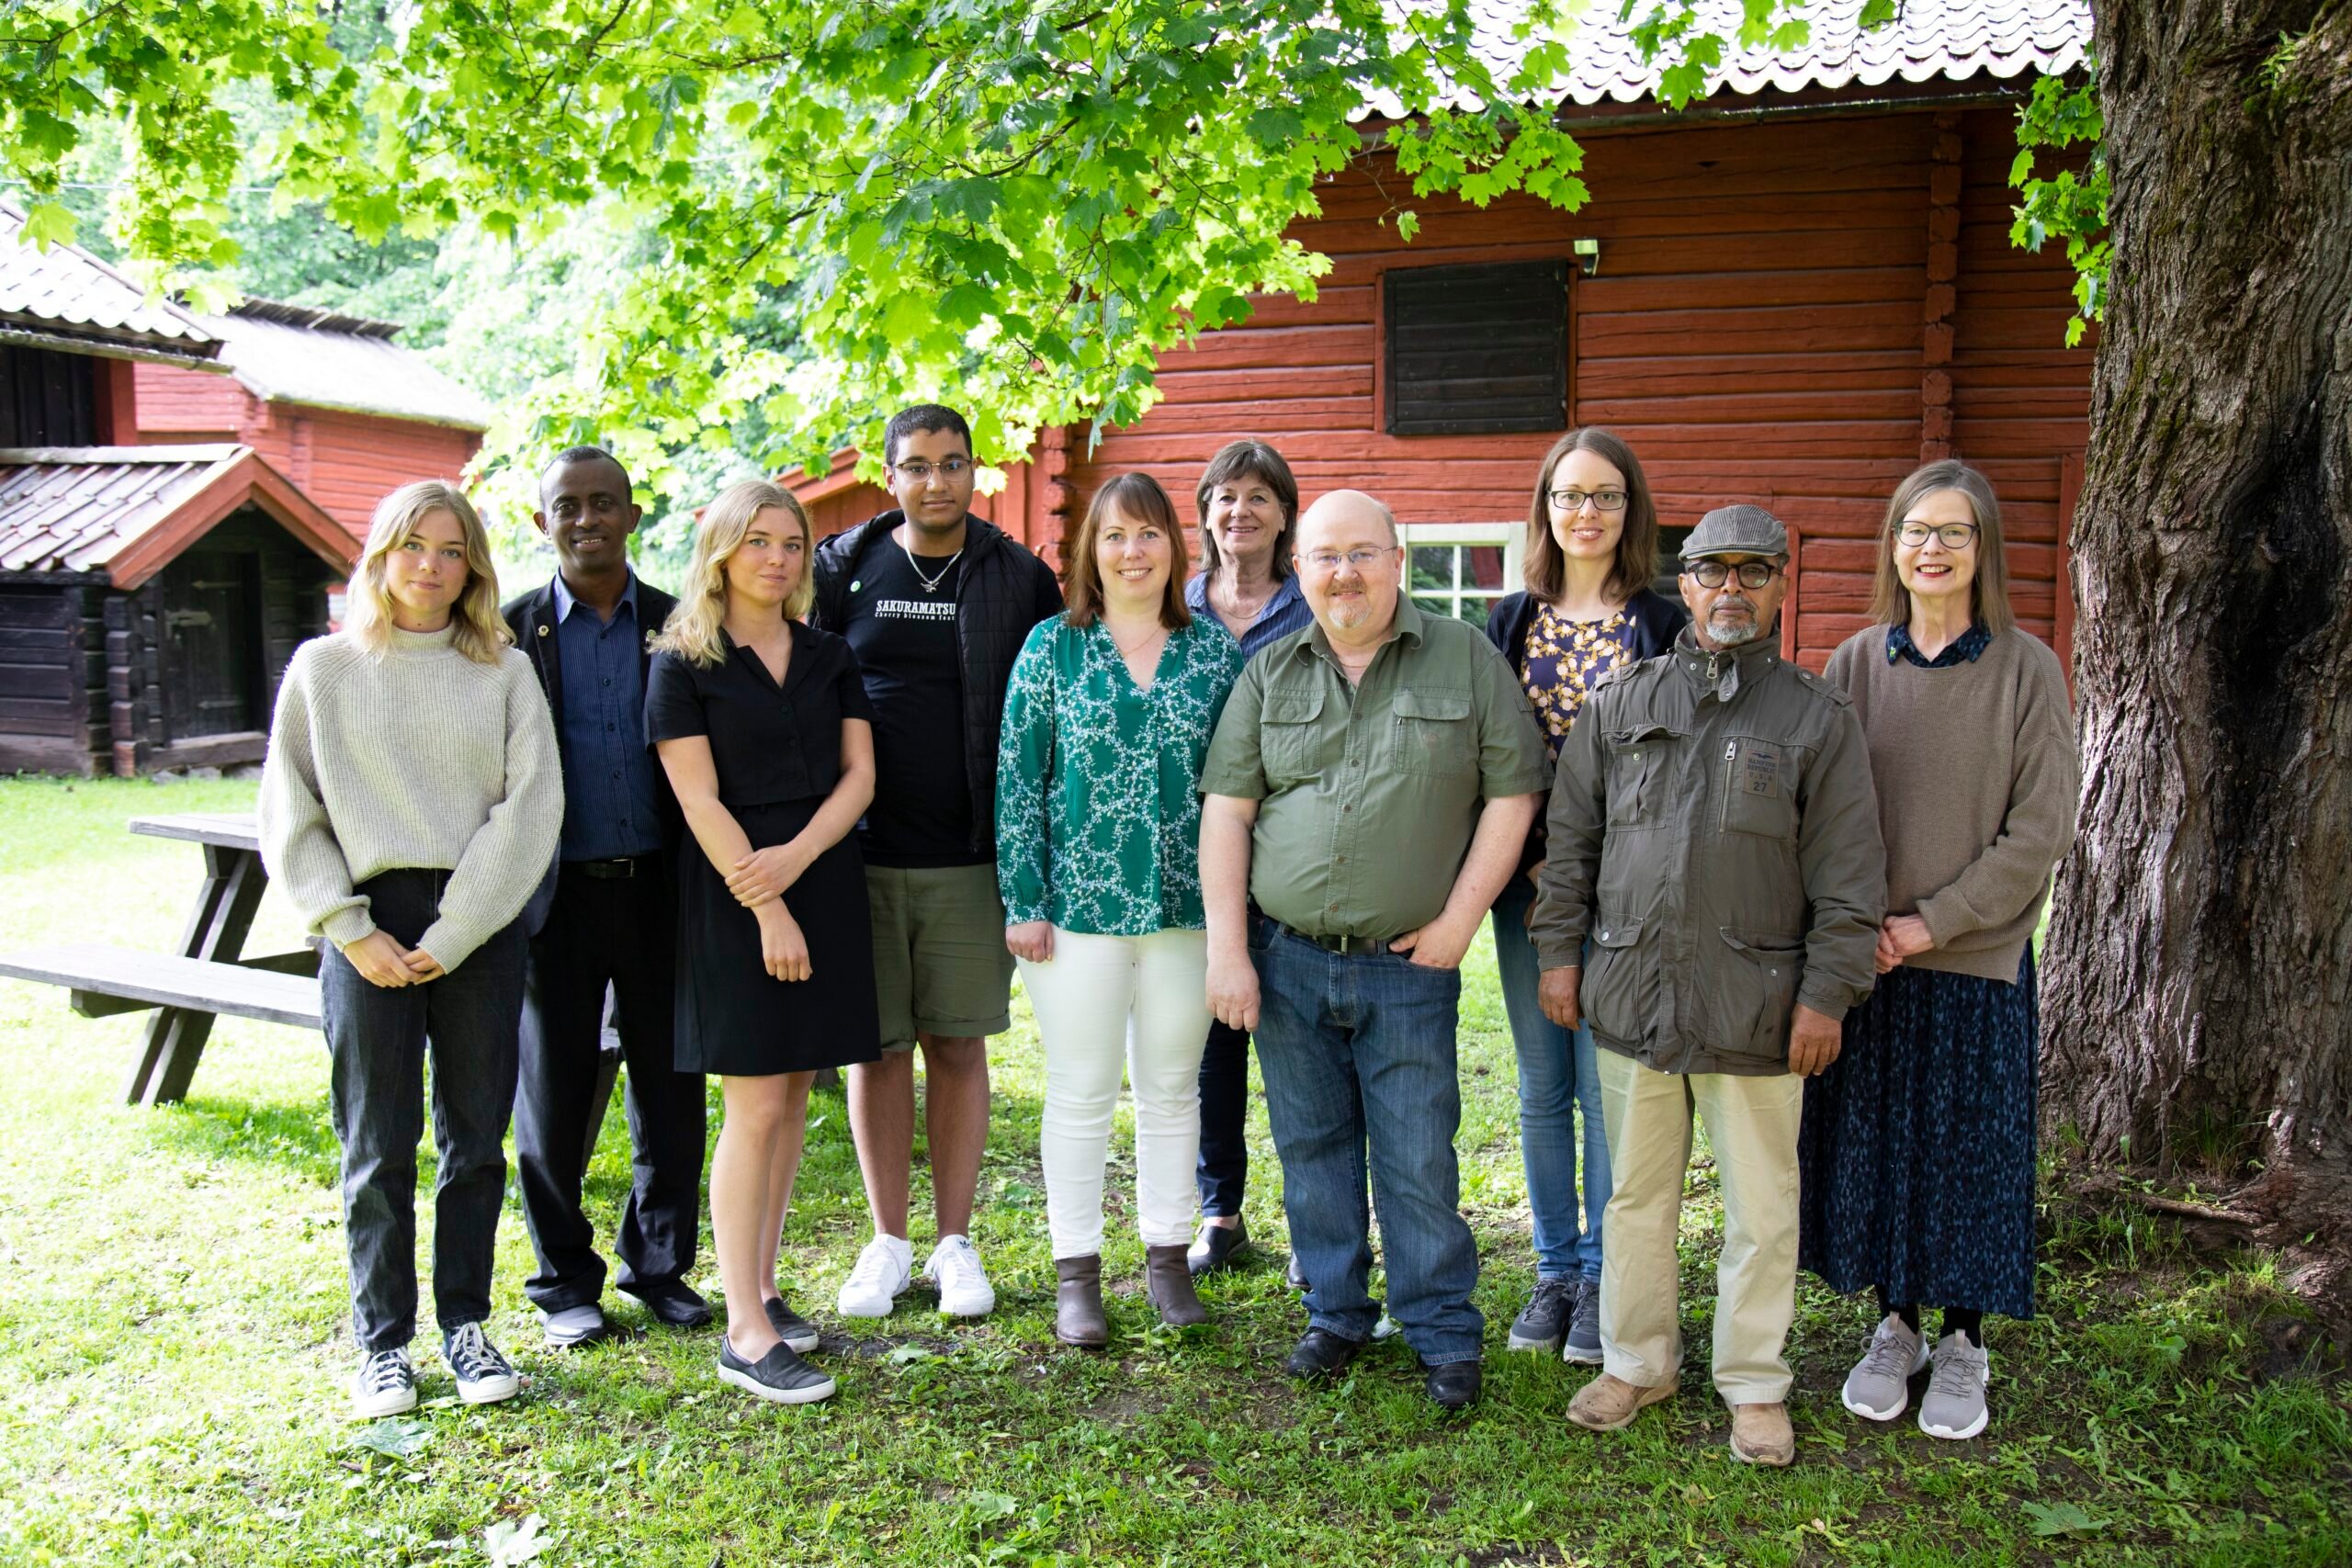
{"points": [[1918, 1148], [1248, 502]]}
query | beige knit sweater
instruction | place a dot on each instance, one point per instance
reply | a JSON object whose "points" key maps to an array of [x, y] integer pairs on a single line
{"points": [[1978, 781], [420, 758]]}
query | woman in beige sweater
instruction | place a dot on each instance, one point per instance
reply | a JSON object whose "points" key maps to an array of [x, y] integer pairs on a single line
{"points": [[410, 803], [1918, 1148]]}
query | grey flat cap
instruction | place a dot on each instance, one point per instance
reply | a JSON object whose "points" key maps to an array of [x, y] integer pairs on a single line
{"points": [[1741, 530]]}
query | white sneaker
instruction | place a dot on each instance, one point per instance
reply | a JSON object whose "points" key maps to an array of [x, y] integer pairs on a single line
{"points": [[964, 1288], [386, 1386], [883, 1269]]}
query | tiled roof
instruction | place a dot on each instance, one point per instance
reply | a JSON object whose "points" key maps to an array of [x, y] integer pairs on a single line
{"points": [[1952, 39], [339, 362], [69, 293], [125, 510]]}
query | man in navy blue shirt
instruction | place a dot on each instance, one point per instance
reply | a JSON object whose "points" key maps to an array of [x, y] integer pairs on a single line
{"points": [[612, 922]]}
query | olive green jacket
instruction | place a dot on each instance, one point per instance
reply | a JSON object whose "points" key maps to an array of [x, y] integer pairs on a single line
{"points": [[1713, 831]]}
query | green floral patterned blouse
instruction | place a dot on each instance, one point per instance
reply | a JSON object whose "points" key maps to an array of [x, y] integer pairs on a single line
{"points": [[1098, 794], [1564, 658]]}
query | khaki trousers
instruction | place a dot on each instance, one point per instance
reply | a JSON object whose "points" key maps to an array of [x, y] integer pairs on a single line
{"points": [[1752, 1127]]}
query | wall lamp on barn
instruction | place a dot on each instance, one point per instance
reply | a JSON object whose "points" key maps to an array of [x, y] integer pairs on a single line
{"points": [[1587, 254]]}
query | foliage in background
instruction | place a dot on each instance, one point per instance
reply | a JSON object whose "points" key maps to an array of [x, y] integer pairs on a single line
{"points": [[2068, 204]]}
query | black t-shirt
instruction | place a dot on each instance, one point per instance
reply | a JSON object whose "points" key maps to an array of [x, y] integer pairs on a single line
{"points": [[770, 747], [903, 631]]}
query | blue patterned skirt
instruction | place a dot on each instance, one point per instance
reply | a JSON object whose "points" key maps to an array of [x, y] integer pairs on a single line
{"points": [[1918, 1150]]}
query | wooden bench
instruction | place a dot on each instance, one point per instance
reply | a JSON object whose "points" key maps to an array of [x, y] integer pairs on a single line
{"points": [[106, 980]]}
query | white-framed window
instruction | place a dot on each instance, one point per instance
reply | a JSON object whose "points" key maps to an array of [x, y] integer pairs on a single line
{"points": [[1459, 569]]}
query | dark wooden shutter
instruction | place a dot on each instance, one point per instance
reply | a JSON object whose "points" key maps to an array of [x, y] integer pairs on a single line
{"points": [[1477, 350], [47, 399]]}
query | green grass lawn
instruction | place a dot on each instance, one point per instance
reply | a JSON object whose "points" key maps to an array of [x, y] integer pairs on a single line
{"points": [[174, 1353]]}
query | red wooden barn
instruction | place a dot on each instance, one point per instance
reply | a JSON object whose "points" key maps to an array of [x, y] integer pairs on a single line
{"points": [[1791, 293], [177, 493]]}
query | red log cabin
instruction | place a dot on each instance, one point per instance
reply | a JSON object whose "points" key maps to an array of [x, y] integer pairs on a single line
{"points": [[1791, 294]]}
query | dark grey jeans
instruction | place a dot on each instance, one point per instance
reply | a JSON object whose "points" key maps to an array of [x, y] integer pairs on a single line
{"points": [[378, 1039]]}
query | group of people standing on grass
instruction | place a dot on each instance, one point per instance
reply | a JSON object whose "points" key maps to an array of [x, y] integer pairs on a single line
{"points": [[813, 813]]}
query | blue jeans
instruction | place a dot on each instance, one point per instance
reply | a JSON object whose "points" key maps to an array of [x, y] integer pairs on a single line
{"points": [[1557, 1078], [1224, 1169], [1357, 1054], [377, 1041]]}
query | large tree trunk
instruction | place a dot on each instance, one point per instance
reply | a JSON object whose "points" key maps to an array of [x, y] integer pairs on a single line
{"points": [[2199, 974]]}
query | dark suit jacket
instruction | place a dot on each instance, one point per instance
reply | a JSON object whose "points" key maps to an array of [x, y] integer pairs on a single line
{"points": [[531, 617]]}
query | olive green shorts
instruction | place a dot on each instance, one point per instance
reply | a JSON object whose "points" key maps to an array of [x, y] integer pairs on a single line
{"points": [[940, 962]]}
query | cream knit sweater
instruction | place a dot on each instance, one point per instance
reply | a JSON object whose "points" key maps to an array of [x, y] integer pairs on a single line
{"points": [[1978, 781], [424, 758]]}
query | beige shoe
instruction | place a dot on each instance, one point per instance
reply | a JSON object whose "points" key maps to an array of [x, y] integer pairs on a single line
{"points": [[1760, 1434], [1609, 1402]]}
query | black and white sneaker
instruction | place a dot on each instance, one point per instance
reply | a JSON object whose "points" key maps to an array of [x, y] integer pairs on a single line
{"points": [[386, 1386], [790, 1326], [484, 1377], [780, 1377]]}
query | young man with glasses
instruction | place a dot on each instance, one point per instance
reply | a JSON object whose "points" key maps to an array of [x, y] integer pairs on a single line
{"points": [[936, 603], [1370, 787], [1714, 832]]}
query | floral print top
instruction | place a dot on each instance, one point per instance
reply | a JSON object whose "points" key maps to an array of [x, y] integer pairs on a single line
{"points": [[1564, 658], [1098, 795]]}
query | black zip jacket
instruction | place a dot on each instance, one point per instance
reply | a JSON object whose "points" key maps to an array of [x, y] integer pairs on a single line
{"points": [[1005, 590]]}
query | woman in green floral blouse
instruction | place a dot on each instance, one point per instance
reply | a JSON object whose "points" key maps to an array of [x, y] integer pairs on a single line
{"points": [[1098, 823]]}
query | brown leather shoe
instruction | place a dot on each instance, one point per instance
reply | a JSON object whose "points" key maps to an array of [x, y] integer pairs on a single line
{"points": [[1168, 1280], [1760, 1434], [1077, 1303], [1609, 1402]]}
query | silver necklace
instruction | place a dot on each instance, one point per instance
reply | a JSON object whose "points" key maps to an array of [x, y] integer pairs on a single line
{"points": [[929, 584]]}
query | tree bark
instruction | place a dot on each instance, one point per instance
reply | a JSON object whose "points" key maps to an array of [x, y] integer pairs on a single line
{"points": [[2200, 967]]}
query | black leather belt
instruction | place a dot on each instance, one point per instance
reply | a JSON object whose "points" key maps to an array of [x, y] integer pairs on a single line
{"points": [[618, 870], [1348, 946]]}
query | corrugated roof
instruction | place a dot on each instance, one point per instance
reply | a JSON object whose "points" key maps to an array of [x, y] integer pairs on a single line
{"points": [[70, 293], [326, 366], [75, 508], [1952, 39]]}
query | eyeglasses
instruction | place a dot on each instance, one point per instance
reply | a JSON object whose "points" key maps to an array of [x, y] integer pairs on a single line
{"points": [[1361, 558], [1954, 535], [916, 473], [1602, 500], [1752, 573]]}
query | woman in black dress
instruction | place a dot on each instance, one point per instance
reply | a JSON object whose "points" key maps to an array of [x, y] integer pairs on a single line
{"points": [[762, 725]]}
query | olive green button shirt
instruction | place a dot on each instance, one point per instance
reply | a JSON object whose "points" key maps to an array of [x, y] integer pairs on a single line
{"points": [[1370, 795]]}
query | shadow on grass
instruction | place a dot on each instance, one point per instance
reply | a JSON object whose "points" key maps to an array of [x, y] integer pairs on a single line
{"points": [[295, 1139]]}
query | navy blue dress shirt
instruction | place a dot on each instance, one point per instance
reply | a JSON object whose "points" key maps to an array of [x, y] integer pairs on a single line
{"points": [[1285, 613], [610, 808], [1961, 648]]}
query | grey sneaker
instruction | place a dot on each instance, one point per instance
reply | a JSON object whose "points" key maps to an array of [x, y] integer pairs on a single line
{"points": [[1583, 1345], [1879, 1388], [574, 1326], [1545, 1322], [1955, 1404]]}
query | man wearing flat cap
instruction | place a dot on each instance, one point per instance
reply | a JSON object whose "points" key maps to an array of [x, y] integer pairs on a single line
{"points": [[1714, 832]]}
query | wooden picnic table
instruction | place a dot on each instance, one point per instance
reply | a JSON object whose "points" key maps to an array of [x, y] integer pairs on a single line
{"points": [[210, 975]]}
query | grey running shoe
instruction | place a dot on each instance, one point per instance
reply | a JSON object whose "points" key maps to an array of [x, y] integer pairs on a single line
{"points": [[1545, 1322], [1583, 1346], [574, 1326], [1879, 1388], [1955, 1404]]}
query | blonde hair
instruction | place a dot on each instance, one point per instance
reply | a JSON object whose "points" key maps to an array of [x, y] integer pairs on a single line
{"points": [[1988, 593], [480, 631], [693, 631]]}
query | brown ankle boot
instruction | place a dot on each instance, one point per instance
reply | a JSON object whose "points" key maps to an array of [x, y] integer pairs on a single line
{"points": [[1077, 1303], [1168, 1280]]}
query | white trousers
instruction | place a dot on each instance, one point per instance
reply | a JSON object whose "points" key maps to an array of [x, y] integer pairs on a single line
{"points": [[1105, 1002]]}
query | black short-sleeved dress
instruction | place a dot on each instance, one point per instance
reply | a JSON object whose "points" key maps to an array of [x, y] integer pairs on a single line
{"points": [[778, 754]]}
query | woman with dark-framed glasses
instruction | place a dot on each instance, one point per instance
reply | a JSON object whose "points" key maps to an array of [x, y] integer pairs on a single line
{"points": [[1592, 550], [1918, 1148]]}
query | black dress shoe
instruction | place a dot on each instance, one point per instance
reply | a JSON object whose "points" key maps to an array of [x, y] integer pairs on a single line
{"points": [[1452, 1385], [1214, 1247], [1292, 1276], [1319, 1353], [673, 1304]]}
